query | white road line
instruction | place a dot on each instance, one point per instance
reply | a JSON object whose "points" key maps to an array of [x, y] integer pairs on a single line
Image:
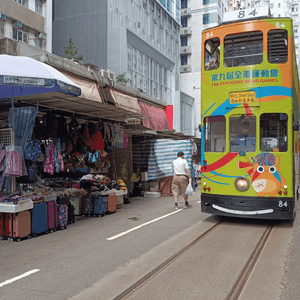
{"points": [[199, 201], [142, 225], [19, 277]]}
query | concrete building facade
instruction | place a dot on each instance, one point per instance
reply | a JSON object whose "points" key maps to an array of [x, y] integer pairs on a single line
{"points": [[27, 21], [137, 38], [195, 17]]}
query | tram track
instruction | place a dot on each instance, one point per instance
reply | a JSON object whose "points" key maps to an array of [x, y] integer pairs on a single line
{"points": [[241, 281]]}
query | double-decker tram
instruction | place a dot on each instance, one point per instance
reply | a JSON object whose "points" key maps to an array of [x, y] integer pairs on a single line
{"points": [[249, 118]]}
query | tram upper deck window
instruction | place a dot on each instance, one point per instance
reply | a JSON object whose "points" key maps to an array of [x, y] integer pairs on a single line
{"points": [[242, 132], [212, 54], [277, 46], [215, 134], [273, 132], [243, 49]]}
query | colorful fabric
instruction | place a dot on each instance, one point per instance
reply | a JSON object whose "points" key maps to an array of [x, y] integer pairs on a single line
{"points": [[50, 164], [33, 150], [62, 215], [14, 161]]}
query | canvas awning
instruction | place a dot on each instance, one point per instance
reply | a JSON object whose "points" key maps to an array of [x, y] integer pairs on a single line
{"points": [[125, 101], [157, 117], [90, 103]]}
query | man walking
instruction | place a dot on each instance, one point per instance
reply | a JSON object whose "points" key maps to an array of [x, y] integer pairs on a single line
{"points": [[180, 180]]}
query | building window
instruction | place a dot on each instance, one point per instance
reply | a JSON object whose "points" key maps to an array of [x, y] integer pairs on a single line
{"points": [[183, 4], [183, 60], [37, 41], [23, 2], [39, 7], [206, 19], [205, 2], [278, 4], [20, 35], [183, 41], [184, 22], [1, 28]]}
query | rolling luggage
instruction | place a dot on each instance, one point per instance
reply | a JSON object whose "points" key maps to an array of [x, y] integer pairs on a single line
{"points": [[111, 203], [71, 213], [62, 216], [77, 201], [63, 199], [19, 225], [100, 206], [52, 216], [3, 230], [39, 221], [88, 206]]}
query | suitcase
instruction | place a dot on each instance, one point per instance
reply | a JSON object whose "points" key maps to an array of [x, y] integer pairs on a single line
{"points": [[71, 213], [100, 206], [39, 219], [77, 201], [62, 216], [63, 199], [3, 231], [88, 206], [52, 216], [20, 225], [111, 203]]}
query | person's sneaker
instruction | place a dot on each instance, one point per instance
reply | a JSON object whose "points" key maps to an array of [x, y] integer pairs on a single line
{"points": [[176, 207], [188, 205]]}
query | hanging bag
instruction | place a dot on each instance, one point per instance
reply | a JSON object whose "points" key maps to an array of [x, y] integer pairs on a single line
{"points": [[33, 150], [189, 190], [2, 157], [14, 162]]}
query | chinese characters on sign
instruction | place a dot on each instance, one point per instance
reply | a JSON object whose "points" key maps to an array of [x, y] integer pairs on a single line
{"points": [[242, 97], [247, 76]]}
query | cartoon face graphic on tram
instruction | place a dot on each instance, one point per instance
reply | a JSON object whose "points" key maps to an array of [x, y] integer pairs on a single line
{"points": [[265, 174]]}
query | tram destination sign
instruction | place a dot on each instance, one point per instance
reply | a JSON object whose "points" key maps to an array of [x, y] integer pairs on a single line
{"points": [[245, 14], [247, 97]]}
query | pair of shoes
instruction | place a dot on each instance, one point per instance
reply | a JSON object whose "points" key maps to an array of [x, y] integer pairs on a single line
{"points": [[176, 207], [188, 205]]}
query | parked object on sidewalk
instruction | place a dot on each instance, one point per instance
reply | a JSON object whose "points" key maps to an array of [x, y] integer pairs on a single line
{"points": [[39, 221], [78, 202], [100, 206], [52, 216], [71, 213], [62, 216], [3, 229], [165, 186], [111, 203], [19, 225], [88, 206], [63, 199]]}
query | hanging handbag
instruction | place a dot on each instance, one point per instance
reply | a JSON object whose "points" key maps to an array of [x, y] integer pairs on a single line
{"points": [[14, 161], [33, 150], [2, 156]]}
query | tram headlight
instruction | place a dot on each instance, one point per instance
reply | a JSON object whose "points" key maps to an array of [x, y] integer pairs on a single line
{"points": [[242, 184]]}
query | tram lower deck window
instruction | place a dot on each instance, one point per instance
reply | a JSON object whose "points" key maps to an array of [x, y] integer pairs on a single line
{"points": [[273, 132], [215, 134]]}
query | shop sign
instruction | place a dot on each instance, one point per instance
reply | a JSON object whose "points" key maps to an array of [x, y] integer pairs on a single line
{"points": [[24, 81]]}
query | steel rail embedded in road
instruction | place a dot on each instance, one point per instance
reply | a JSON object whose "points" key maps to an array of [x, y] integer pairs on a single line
{"points": [[243, 278], [133, 288]]}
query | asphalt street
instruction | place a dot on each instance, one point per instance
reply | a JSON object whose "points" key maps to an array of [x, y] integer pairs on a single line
{"points": [[97, 258]]}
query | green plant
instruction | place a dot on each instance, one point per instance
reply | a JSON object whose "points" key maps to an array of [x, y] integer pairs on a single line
{"points": [[71, 51], [122, 78]]}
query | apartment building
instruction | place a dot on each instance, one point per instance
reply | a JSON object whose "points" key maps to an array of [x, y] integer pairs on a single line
{"points": [[138, 38], [28, 22], [195, 17], [279, 9]]}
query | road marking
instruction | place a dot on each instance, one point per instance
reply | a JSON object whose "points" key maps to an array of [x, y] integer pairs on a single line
{"points": [[19, 277], [142, 225], [199, 201]]}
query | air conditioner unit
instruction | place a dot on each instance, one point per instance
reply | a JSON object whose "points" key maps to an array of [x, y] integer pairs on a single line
{"points": [[185, 12], [184, 50], [185, 30], [107, 74], [42, 36]]}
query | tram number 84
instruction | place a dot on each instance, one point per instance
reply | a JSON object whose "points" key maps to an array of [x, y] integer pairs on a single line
{"points": [[282, 204]]}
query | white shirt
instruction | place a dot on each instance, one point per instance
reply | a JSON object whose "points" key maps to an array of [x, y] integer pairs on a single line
{"points": [[179, 166]]}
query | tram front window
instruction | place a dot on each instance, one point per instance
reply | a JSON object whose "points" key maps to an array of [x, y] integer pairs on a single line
{"points": [[242, 132], [273, 132]]}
